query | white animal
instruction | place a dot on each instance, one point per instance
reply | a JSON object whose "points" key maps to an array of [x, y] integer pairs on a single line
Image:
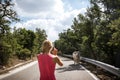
{"points": [[76, 57]]}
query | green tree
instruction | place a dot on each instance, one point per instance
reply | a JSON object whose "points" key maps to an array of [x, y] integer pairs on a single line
{"points": [[25, 40], [111, 8], [104, 35], [7, 15], [40, 37]]}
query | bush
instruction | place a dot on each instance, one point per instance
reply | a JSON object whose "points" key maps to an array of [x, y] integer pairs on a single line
{"points": [[5, 52], [24, 54]]}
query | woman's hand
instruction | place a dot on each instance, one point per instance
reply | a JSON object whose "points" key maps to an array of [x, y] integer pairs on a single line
{"points": [[54, 51]]}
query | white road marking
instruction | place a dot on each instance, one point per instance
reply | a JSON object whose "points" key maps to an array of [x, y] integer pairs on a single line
{"points": [[91, 73]]}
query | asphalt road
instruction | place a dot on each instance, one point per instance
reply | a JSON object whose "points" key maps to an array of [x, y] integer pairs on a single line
{"points": [[73, 72], [67, 72], [26, 72]]}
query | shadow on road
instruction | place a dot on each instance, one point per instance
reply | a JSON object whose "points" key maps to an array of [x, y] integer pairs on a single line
{"points": [[71, 67]]}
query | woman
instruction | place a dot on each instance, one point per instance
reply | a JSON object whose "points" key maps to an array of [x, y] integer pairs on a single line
{"points": [[47, 62]]}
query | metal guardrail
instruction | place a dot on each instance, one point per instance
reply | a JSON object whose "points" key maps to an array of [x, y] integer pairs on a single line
{"points": [[110, 68]]}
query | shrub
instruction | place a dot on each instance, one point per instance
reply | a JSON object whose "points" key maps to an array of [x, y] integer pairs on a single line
{"points": [[5, 52], [24, 54]]}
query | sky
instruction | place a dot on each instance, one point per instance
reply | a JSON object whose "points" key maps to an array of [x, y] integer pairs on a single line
{"points": [[54, 16]]}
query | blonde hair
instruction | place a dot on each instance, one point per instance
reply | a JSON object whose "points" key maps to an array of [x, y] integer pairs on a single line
{"points": [[46, 46]]}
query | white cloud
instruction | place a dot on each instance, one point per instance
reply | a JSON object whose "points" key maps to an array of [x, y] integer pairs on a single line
{"points": [[34, 6], [49, 15], [39, 8]]}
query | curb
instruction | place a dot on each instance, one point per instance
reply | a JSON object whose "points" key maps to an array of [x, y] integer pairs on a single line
{"points": [[13, 67]]}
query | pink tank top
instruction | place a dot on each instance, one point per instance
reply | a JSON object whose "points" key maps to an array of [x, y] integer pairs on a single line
{"points": [[46, 66]]}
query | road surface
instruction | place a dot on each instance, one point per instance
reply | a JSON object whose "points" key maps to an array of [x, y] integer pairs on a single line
{"points": [[67, 72]]}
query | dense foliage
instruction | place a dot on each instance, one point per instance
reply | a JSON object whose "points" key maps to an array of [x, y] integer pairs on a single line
{"points": [[95, 34], [17, 42]]}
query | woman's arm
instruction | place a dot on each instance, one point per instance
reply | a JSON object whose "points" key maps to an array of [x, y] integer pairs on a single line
{"points": [[58, 61]]}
